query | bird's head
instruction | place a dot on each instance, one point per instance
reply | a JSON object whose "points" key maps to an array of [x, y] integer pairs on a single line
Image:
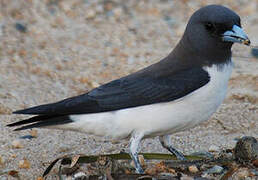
{"points": [[220, 23], [211, 32]]}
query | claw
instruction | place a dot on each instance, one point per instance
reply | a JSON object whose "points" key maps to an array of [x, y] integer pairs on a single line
{"points": [[166, 143]]}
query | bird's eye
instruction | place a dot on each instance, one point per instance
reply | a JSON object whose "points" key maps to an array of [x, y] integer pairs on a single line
{"points": [[209, 26]]}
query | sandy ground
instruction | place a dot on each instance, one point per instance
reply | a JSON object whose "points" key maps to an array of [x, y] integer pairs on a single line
{"points": [[69, 47]]}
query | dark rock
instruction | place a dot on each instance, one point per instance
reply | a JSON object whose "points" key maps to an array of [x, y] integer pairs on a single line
{"points": [[254, 52], [246, 149], [27, 137], [21, 27], [215, 170]]}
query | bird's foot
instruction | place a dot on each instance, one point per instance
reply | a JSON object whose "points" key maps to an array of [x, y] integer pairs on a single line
{"points": [[139, 169], [137, 164], [179, 155]]}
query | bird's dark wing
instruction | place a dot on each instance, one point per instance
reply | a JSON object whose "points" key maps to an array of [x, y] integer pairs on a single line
{"points": [[130, 91], [127, 92]]}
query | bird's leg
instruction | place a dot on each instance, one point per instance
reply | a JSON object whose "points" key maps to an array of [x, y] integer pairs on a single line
{"points": [[166, 143], [134, 148]]}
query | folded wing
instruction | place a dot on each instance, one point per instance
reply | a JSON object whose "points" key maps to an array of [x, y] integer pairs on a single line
{"points": [[122, 93]]}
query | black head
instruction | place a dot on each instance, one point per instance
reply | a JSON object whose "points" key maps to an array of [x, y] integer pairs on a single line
{"points": [[210, 33]]}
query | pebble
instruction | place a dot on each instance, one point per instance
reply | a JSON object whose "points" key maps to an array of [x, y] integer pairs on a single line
{"points": [[40, 178], [242, 173], [255, 163], [215, 170], [193, 169], [141, 159], [21, 27], [254, 172], [17, 144], [80, 175], [246, 149], [118, 12], [254, 52], [24, 164], [90, 14], [13, 156], [26, 137], [34, 133], [214, 148], [13, 173]]}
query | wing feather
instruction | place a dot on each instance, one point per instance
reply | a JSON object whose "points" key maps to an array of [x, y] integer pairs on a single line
{"points": [[130, 91], [127, 92]]}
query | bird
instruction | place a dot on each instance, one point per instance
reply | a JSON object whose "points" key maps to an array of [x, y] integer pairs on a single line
{"points": [[175, 94]]}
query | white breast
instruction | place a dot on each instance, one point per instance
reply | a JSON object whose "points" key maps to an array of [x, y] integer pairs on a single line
{"points": [[158, 119]]}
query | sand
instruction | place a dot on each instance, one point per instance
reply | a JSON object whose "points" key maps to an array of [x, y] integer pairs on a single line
{"points": [[55, 49]]}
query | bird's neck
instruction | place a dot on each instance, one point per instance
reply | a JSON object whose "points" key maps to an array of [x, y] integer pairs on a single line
{"points": [[184, 56], [189, 55]]}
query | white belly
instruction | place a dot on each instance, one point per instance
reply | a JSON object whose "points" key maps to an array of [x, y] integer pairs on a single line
{"points": [[158, 119]]}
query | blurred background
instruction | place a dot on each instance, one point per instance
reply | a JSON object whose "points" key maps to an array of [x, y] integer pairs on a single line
{"points": [[53, 49]]}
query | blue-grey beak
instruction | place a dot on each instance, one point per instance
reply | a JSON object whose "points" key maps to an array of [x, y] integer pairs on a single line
{"points": [[236, 35]]}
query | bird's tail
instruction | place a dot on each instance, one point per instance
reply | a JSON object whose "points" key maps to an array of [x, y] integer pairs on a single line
{"points": [[40, 121]]}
